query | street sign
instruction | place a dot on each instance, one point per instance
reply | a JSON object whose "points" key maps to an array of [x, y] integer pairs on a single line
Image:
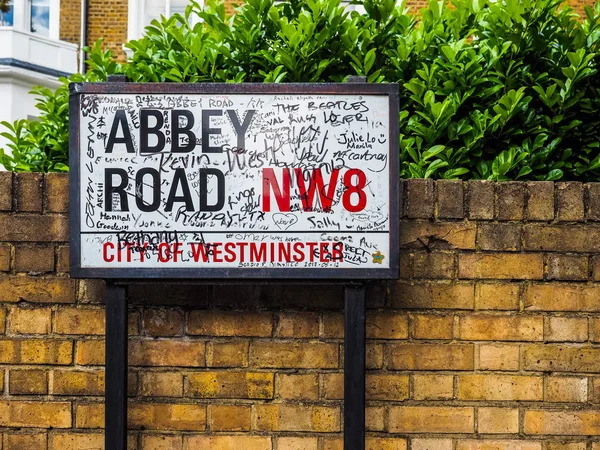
{"points": [[234, 181]]}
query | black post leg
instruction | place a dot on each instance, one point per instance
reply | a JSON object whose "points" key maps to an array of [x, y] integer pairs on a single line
{"points": [[354, 367], [116, 367]]}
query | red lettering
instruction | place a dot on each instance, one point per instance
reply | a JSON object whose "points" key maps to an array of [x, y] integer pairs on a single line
{"points": [[217, 252], [242, 246], [177, 250], [142, 251], [311, 248], [316, 184], [298, 252], [164, 247], [324, 255], [284, 251], [358, 188], [199, 250], [229, 252], [106, 246], [337, 251], [260, 256], [282, 198]]}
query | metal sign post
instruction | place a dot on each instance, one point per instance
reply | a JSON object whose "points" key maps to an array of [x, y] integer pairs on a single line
{"points": [[210, 182]]}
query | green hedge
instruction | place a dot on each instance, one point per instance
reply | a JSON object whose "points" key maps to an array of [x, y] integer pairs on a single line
{"points": [[497, 90]]}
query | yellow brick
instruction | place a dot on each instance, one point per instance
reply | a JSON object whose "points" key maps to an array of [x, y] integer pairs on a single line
{"points": [[333, 386], [319, 419], [430, 357], [229, 418], [566, 389], [387, 387], [29, 320], [223, 323], [312, 355], [374, 356], [561, 358], [227, 354], [499, 357], [431, 444], [333, 325], [161, 384], [375, 418], [458, 234], [497, 296], [498, 420], [76, 441], [377, 443], [567, 423], [297, 443], [168, 352], [35, 414], [21, 441], [163, 322], [424, 419], [501, 328], [428, 326], [595, 329], [387, 326], [227, 443], [36, 351], [78, 382], [500, 387], [298, 325], [89, 415], [433, 295], [258, 385], [433, 265], [90, 352], [2, 320], [180, 417], [79, 321], [595, 394], [28, 382], [558, 445], [566, 329], [498, 445], [298, 386], [433, 387], [38, 290], [562, 297], [516, 266], [330, 443], [161, 442]]}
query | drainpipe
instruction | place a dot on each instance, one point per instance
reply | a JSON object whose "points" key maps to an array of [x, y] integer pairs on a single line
{"points": [[83, 35]]}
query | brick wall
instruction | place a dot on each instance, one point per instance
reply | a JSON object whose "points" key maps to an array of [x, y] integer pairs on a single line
{"points": [[490, 341]]}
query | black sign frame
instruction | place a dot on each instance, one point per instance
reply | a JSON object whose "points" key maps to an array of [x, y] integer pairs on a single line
{"points": [[389, 90]]}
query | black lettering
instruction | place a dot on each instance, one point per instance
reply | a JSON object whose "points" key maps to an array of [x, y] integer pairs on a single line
{"points": [[110, 189], [207, 131], [204, 173], [179, 178], [139, 189], [178, 130], [120, 119], [145, 130], [241, 129]]}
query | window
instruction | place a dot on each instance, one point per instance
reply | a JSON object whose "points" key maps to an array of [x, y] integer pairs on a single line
{"points": [[142, 12], [6, 13], [40, 17]]}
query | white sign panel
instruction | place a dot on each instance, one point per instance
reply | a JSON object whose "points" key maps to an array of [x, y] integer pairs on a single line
{"points": [[197, 184]]}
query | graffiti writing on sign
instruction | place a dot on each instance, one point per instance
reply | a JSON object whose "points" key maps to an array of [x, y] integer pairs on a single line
{"points": [[233, 181]]}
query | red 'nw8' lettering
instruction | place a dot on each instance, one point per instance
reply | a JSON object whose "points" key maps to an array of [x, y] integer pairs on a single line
{"points": [[354, 182]]}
